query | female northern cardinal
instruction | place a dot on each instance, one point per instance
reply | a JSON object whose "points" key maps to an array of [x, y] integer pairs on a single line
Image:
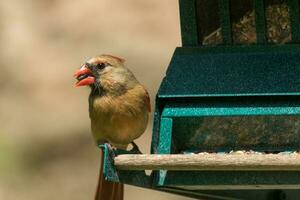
{"points": [[118, 107]]}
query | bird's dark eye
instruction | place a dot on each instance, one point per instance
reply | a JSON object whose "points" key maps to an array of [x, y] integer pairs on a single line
{"points": [[100, 65]]}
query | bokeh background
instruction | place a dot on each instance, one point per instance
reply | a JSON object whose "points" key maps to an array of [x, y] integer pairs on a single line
{"points": [[46, 148]]}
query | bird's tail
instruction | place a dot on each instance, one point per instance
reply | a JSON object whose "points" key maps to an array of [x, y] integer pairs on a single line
{"points": [[108, 190]]}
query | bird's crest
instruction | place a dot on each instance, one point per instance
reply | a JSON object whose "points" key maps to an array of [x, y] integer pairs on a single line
{"points": [[121, 60]]}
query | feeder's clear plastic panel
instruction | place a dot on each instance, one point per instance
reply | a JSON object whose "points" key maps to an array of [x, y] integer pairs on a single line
{"points": [[208, 22], [278, 24], [227, 133], [247, 21]]}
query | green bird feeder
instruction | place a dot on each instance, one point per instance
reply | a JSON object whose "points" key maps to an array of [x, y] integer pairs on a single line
{"points": [[227, 114]]}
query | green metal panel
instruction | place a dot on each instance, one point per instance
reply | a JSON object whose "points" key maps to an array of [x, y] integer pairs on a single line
{"points": [[165, 142], [294, 17], [233, 179], [165, 135], [155, 129], [174, 110], [204, 126], [233, 71], [260, 21], [188, 23], [224, 12], [109, 171]]}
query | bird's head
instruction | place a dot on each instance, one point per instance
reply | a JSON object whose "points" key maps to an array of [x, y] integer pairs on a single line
{"points": [[106, 73]]}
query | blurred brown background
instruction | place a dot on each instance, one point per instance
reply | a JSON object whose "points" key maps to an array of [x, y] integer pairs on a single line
{"points": [[46, 149]]}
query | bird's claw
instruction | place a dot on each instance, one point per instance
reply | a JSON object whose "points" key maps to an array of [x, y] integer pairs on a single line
{"points": [[112, 151], [135, 149]]}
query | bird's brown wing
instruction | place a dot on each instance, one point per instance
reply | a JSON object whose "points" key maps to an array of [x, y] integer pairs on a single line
{"points": [[147, 100], [108, 190]]}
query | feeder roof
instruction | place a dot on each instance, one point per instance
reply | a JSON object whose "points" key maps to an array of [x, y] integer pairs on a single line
{"points": [[233, 71]]}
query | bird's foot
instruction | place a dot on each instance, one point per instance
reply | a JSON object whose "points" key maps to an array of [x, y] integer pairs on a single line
{"points": [[112, 150], [135, 149]]}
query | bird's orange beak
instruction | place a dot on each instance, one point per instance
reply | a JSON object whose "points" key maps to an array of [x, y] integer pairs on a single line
{"points": [[84, 76]]}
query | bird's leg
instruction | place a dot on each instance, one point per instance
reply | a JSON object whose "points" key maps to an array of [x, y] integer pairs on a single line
{"points": [[111, 150], [135, 149]]}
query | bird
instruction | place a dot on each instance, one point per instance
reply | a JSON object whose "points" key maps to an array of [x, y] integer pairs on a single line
{"points": [[119, 108]]}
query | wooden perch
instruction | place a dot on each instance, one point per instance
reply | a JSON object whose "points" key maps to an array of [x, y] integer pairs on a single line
{"points": [[209, 161]]}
